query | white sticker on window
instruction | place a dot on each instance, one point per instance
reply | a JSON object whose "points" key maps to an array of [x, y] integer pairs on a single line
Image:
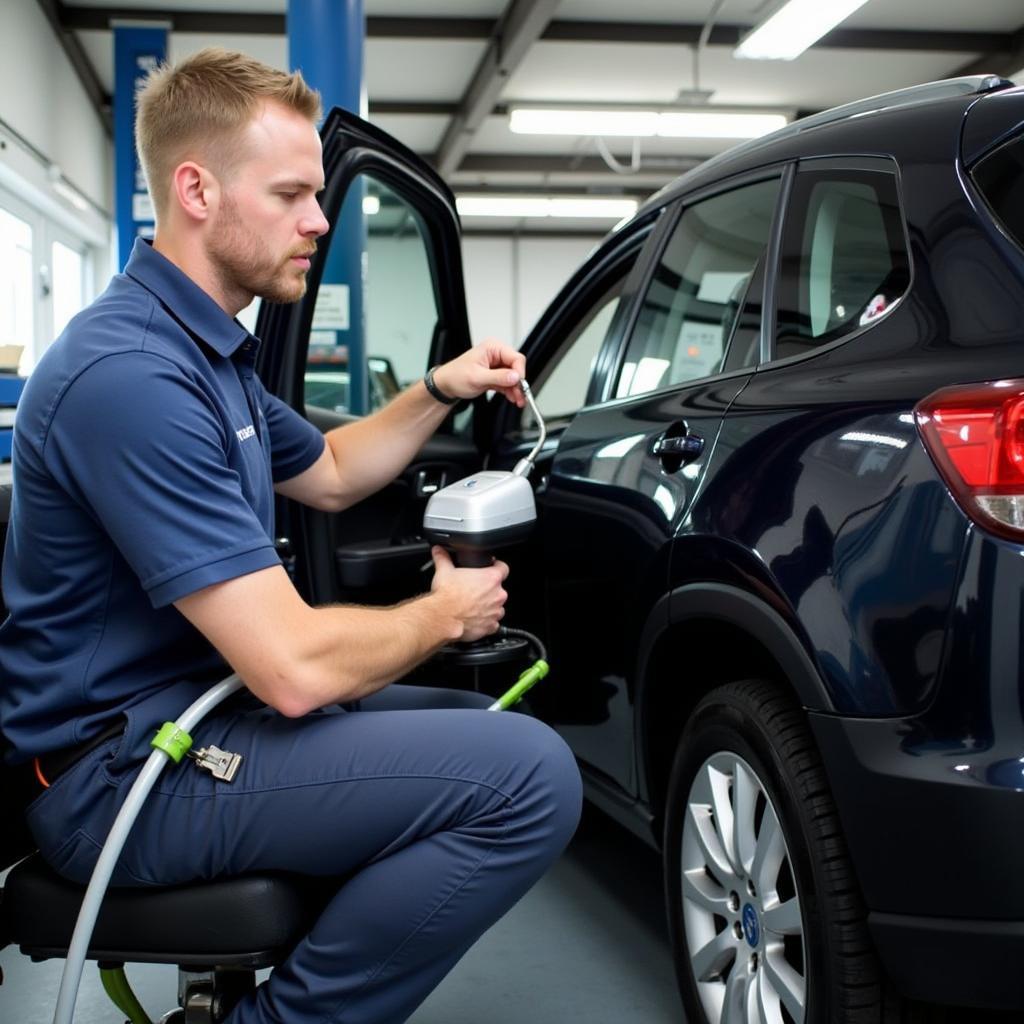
{"points": [[331, 311]]}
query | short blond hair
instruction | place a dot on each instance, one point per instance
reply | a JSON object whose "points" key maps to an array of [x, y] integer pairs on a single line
{"points": [[200, 107]]}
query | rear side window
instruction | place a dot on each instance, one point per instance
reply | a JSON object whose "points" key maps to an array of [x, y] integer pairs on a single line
{"points": [[844, 261], [1000, 176], [693, 304]]}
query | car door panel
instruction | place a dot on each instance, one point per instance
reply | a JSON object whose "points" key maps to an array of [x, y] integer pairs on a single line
{"points": [[610, 511], [627, 469]]}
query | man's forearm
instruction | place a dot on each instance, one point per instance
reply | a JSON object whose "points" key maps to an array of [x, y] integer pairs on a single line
{"points": [[371, 452], [296, 658], [350, 652]]}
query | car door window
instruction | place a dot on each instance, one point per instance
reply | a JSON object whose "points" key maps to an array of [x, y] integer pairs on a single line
{"points": [[377, 282], [844, 261], [562, 386], [698, 289]]}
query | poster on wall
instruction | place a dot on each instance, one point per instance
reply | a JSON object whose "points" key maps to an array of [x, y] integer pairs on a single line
{"points": [[137, 51]]}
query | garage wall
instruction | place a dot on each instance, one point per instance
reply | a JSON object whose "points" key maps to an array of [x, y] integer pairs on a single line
{"points": [[42, 99], [510, 281]]}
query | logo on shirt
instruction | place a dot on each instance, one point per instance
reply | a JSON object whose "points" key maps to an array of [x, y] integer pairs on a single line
{"points": [[246, 432]]}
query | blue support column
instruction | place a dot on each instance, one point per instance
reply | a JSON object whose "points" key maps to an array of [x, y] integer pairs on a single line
{"points": [[137, 50], [325, 42]]}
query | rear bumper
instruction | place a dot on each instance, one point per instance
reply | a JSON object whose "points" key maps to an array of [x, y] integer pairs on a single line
{"points": [[953, 961], [935, 832]]}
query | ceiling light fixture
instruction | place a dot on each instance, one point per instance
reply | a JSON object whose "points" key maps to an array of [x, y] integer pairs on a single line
{"points": [[707, 123], [371, 205], [545, 206], [793, 27]]}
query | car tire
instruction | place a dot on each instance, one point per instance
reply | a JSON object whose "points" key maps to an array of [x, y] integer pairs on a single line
{"points": [[765, 916]]}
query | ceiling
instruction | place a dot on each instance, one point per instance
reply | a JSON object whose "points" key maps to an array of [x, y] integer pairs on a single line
{"points": [[443, 83]]}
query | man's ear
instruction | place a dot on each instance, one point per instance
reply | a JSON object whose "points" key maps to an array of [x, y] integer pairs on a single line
{"points": [[195, 190]]}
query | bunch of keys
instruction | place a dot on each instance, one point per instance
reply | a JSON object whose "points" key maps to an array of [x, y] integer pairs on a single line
{"points": [[221, 764]]}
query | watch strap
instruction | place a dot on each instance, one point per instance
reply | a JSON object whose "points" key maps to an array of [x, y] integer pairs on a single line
{"points": [[435, 391]]}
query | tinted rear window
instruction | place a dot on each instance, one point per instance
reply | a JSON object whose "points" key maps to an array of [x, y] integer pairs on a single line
{"points": [[1000, 176]]}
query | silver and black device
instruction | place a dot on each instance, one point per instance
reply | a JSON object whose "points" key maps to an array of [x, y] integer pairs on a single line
{"points": [[474, 517]]}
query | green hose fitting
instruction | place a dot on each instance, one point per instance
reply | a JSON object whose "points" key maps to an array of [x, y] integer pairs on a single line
{"points": [[530, 677], [174, 742], [115, 984]]}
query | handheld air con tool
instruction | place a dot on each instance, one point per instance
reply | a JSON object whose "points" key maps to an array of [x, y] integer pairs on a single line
{"points": [[471, 519]]}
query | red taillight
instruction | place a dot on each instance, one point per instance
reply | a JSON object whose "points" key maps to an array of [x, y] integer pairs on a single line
{"points": [[975, 434]]}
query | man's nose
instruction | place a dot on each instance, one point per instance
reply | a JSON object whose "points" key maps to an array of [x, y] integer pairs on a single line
{"points": [[315, 223]]}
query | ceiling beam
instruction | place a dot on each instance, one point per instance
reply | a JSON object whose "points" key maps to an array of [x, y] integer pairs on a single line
{"points": [[1001, 62], [519, 27], [83, 68], [416, 108], [234, 22]]}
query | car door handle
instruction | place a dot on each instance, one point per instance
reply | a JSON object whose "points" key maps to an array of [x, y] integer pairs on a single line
{"points": [[678, 450]]}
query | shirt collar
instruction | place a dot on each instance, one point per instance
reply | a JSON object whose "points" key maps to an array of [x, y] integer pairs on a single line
{"points": [[186, 301]]}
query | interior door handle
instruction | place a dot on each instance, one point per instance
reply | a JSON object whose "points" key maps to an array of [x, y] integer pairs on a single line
{"points": [[428, 482]]}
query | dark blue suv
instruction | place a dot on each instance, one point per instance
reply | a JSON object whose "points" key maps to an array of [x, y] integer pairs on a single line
{"points": [[779, 561], [779, 557]]}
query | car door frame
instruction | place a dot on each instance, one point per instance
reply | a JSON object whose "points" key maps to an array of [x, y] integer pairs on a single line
{"points": [[352, 147]]}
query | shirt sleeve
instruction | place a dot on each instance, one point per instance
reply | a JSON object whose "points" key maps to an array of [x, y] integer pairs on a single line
{"points": [[140, 445], [295, 444]]}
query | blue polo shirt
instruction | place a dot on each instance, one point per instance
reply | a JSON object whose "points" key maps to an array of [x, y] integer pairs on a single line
{"points": [[145, 454]]}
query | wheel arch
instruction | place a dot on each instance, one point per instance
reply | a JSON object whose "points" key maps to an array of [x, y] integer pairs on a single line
{"points": [[697, 637]]}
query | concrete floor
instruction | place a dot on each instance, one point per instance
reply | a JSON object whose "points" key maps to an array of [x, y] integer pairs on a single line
{"points": [[587, 943]]}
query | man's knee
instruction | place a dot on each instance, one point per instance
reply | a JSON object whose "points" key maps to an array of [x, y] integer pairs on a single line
{"points": [[549, 799]]}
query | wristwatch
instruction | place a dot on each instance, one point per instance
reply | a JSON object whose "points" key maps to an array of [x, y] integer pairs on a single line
{"points": [[432, 387]]}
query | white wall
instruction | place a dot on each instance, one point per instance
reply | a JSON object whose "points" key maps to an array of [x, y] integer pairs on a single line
{"points": [[510, 281], [509, 284], [42, 99]]}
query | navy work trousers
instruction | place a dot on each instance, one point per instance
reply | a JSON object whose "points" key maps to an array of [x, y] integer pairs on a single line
{"points": [[439, 816]]}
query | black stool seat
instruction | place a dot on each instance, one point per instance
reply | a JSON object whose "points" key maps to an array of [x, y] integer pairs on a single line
{"points": [[248, 922]]}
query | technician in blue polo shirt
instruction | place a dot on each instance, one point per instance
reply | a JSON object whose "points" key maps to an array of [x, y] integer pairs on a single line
{"points": [[140, 567]]}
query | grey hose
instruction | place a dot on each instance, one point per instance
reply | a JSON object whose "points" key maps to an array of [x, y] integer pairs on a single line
{"points": [[155, 764]]}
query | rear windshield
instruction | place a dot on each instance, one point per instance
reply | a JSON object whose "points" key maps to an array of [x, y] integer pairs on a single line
{"points": [[1000, 176]]}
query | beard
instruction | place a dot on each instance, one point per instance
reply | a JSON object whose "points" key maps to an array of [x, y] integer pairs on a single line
{"points": [[245, 264]]}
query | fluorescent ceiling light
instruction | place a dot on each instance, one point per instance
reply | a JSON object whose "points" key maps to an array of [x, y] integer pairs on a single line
{"points": [[631, 123], [72, 195], [710, 125], [371, 205], [540, 206], [674, 124], [795, 26]]}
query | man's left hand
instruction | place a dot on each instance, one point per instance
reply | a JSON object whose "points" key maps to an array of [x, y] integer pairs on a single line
{"points": [[489, 366]]}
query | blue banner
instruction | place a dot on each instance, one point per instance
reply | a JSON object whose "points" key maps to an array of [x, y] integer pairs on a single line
{"points": [[137, 50]]}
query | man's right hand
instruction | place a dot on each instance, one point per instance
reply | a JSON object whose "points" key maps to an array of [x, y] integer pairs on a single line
{"points": [[473, 596]]}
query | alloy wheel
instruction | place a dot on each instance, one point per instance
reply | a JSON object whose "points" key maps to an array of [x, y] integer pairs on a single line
{"points": [[744, 929]]}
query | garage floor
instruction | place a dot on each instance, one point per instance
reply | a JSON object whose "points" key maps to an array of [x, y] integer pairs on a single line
{"points": [[588, 943]]}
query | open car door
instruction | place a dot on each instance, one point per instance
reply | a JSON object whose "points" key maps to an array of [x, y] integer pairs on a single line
{"points": [[390, 269]]}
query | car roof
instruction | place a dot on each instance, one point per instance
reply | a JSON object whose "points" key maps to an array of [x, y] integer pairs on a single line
{"points": [[789, 142]]}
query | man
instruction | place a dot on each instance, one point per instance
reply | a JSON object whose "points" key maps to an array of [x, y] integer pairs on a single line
{"points": [[140, 560]]}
